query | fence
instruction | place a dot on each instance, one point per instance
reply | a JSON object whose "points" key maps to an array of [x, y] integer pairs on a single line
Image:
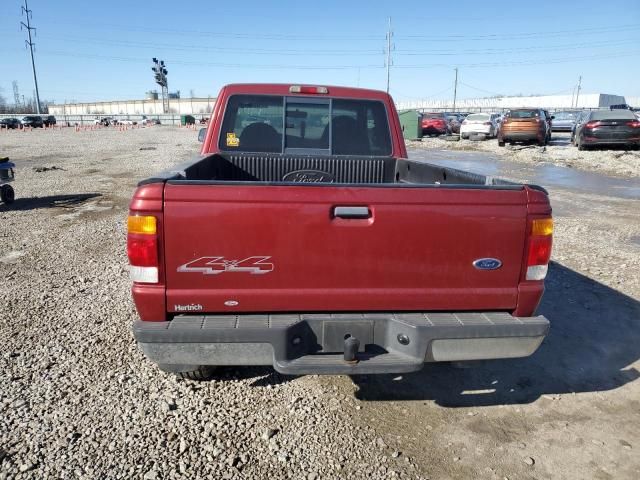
{"points": [[72, 120]]}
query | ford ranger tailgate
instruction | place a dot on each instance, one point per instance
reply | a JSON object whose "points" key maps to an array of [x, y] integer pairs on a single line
{"points": [[270, 248]]}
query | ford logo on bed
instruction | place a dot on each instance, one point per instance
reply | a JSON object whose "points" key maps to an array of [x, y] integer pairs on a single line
{"points": [[487, 264], [309, 176]]}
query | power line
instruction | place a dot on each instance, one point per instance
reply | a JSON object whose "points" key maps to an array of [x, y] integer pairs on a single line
{"points": [[28, 14], [498, 51], [213, 64], [389, 35], [526, 62], [525, 35], [200, 48]]}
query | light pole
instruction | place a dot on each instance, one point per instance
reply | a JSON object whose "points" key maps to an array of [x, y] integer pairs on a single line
{"points": [[160, 74]]}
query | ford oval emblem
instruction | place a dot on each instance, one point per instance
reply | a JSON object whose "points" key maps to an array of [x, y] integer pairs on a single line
{"points": [[487, 264], [309, 176]]}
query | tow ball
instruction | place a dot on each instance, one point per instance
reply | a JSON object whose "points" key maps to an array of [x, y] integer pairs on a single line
{"points": [[351, 346]]}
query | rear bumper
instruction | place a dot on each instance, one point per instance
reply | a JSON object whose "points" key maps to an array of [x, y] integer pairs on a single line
{"points": [[521, 135], [601, 140], [313, 343]]}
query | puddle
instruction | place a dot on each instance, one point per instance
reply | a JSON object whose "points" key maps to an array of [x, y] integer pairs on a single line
{"points": [[545, 175]]}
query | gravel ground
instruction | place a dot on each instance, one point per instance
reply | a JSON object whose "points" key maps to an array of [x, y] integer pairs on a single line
{"points": [[618, 162], [78, 400]]}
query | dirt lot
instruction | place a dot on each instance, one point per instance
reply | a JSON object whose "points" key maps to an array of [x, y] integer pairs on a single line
{"points": [[78, 400], [616, 161]]}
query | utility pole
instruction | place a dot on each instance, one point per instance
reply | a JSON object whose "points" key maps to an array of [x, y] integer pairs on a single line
{"points": [[578, 92], [27, 13], [16, 93], [455, 89], [389, 35]]}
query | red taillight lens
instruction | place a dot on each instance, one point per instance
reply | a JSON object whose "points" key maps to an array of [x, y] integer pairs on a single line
{"points": [[539, 248], [592, 124], [142, 250], [634, 124]]}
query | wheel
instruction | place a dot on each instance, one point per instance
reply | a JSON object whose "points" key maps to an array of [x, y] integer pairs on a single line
{"points": [[463, 136], [202, 373], [579, 144], [542, 143], [7, 195], [500, 143]]}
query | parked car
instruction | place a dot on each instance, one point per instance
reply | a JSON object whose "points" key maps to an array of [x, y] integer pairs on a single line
{"points": [[34, 121], [563, 121], [49, 120], [455, 120], [435, 123], [608, 127], [127, 122], [580, 119], [10, 123], [463, 283], [480, 124], [525, 125]]}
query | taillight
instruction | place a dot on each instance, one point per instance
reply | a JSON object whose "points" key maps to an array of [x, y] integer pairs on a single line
{"points": [[634, 124], [142, 248], [592, 124], [539, 248], [308, 89]]}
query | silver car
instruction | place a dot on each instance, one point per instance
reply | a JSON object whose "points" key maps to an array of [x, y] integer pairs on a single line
{"points": [[563, 121]]}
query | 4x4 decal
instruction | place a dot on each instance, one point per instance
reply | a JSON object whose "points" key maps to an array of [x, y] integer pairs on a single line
{"points": [[257, 265]]}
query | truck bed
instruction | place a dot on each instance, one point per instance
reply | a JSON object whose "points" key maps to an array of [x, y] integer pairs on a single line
{"points": [[318, 170]]}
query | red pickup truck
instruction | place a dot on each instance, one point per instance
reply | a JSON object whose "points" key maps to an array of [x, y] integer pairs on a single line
{"points": [[302, 237]]}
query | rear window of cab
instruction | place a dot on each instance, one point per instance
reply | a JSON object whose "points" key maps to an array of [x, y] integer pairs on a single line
{"points": [[314, 125]]}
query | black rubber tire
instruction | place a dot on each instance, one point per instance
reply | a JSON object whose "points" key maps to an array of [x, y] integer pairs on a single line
{"points": [[501, 143], [580, 146], [7, 195], [201, 374], [542, 143]]}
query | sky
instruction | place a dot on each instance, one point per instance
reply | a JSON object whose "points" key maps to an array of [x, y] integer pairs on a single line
{"points": [[90, 51]]}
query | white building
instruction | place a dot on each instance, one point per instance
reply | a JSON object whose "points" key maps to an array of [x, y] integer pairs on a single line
{"points": [[187, 106], [588, 100]]}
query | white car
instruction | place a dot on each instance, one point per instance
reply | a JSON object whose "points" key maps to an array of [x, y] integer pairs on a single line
{"points": [[486, 124]]}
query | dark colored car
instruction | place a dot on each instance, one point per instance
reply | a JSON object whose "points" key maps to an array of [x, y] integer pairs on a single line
{"points": [[34, 121], [563, 121], [455, 120], [49, 120], [580, 120], [10, 123], [608, 127], [435, 123], [525, 125]]}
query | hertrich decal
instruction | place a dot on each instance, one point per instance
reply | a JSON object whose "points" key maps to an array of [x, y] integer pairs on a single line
{"points": [[257, 265]]}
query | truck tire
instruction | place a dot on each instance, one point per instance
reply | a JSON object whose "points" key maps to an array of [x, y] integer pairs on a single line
{"points": [[7, 195], [201, 374]]}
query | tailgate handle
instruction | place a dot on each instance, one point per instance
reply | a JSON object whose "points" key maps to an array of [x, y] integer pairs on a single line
{"points": [[352, 212]]}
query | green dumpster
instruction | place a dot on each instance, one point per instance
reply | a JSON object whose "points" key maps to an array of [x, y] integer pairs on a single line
{"points": [[187, 120], [411, 123]]}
